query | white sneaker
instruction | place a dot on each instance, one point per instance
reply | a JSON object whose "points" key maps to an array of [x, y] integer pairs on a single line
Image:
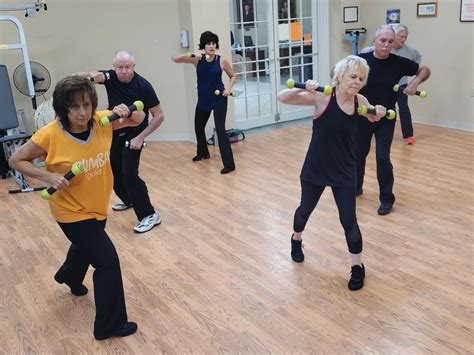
{"points": [[148, 223], [121, 206]]}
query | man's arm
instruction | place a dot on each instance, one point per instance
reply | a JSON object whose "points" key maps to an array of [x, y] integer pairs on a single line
{"points": [[423, 73], [97, 77], [155, 119]]}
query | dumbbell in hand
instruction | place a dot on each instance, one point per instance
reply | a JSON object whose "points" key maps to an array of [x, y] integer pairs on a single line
{"points": [[127, 145], [219, 93], [137, 106], [421, 94], [290, 84], [76, 170], [192, 55], [363, 110]]}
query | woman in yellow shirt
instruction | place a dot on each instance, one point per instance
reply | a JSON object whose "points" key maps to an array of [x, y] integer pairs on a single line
{"points": [[80, 205]]}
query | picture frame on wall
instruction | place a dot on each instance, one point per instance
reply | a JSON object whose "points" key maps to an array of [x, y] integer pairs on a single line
{"points": [[467, 11], [393, 16], [351, 14], [427, 9]]}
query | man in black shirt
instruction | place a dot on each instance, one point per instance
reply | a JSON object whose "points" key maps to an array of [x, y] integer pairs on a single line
{"points": [[124, 85], [386, 70]]}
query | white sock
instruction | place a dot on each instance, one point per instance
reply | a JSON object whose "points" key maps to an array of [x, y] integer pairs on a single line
{"points": [[356, 259]]}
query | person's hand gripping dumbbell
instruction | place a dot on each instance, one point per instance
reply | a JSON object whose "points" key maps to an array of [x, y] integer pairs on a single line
{"points": [[137, 106], [76, 170]]}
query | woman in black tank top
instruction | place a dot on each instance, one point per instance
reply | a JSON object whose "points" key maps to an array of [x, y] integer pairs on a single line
{"points": [[330, 160]]}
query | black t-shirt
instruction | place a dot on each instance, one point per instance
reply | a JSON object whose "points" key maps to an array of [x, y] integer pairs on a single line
{"points": [[383, 75], [137, 89]]}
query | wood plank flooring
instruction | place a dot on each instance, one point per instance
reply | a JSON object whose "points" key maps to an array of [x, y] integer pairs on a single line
{"points": [[217, 277]]}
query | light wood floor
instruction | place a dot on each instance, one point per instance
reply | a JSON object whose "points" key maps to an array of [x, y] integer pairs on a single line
{"points": [[217, 277]]}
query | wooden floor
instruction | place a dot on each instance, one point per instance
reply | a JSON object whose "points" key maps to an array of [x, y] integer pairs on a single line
{"points": [[217, 277]]}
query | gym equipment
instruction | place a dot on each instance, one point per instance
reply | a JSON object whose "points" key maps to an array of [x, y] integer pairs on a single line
{"points": [[76, 169], [290, 84], [219, 93], [421, 94], [192, 55], [127, 144], [31, 9], [354, 35], [13, 139], [363, 110], [137, 106]]}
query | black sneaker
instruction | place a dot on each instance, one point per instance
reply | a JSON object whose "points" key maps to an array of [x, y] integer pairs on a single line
{"points": [[79, 290], [126, 329], [297, 250], [385, 208], [357, 278], [227, 170], [201, 157]]}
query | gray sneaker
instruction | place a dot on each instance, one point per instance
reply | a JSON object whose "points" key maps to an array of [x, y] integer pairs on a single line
{"points": [[148, 223], [121, 206]]}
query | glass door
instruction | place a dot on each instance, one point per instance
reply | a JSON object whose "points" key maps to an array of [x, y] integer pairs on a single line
{"points": [[296, 56], [272, 41]]}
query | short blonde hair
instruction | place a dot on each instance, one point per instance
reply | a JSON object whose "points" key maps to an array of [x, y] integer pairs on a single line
{"points": [[350, 62]]}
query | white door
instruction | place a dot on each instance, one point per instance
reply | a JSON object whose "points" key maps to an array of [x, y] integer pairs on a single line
{"points": [[272, 41]]}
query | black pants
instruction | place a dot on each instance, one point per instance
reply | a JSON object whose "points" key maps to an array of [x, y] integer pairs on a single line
{"points": [[92, 246], [128, 186], [200, 120], [383, 131], [345, 198], [405, 115]]}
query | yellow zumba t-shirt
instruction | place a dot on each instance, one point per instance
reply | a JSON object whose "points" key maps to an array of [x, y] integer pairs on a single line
{"points": [[88, 195]]}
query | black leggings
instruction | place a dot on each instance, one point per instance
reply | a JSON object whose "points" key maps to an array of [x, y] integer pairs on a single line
{"points": [[346, 203], [200, 120], [92, 246]]}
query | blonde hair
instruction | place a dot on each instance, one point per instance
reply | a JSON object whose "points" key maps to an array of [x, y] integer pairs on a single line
{"points": [[351, 62]]}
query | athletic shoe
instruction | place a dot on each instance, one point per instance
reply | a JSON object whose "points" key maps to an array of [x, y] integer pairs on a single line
{"points": [[297, 250], [148, 223], [76, 290], [357, 278], [121, 206], [201, 157], [410, 140], [227, 170], [126, 329], [385, 208]]}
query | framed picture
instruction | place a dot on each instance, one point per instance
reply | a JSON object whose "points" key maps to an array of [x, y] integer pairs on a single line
{"points": [[467, 11], [351, 14], [285, 11], [247, 16], [427, 9], [393, 16]]}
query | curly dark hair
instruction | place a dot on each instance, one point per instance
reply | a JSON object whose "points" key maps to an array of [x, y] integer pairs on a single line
{"points": [[65, 93], [208, 37]]}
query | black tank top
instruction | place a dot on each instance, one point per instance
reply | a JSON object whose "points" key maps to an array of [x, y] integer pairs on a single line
{"points": [[330, 160]]}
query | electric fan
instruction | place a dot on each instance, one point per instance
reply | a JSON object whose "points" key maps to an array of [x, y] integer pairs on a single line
{"points": [[40, 76]]}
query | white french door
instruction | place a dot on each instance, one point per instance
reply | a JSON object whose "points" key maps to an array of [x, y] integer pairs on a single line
{"points": [[272, 41]]}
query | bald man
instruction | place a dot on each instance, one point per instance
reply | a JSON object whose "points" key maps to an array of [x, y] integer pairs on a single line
{"points": [[124, 85], [386, 70]]}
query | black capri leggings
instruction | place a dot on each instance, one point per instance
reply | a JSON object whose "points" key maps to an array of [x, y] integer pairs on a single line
{"points": [[346, 203]]}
